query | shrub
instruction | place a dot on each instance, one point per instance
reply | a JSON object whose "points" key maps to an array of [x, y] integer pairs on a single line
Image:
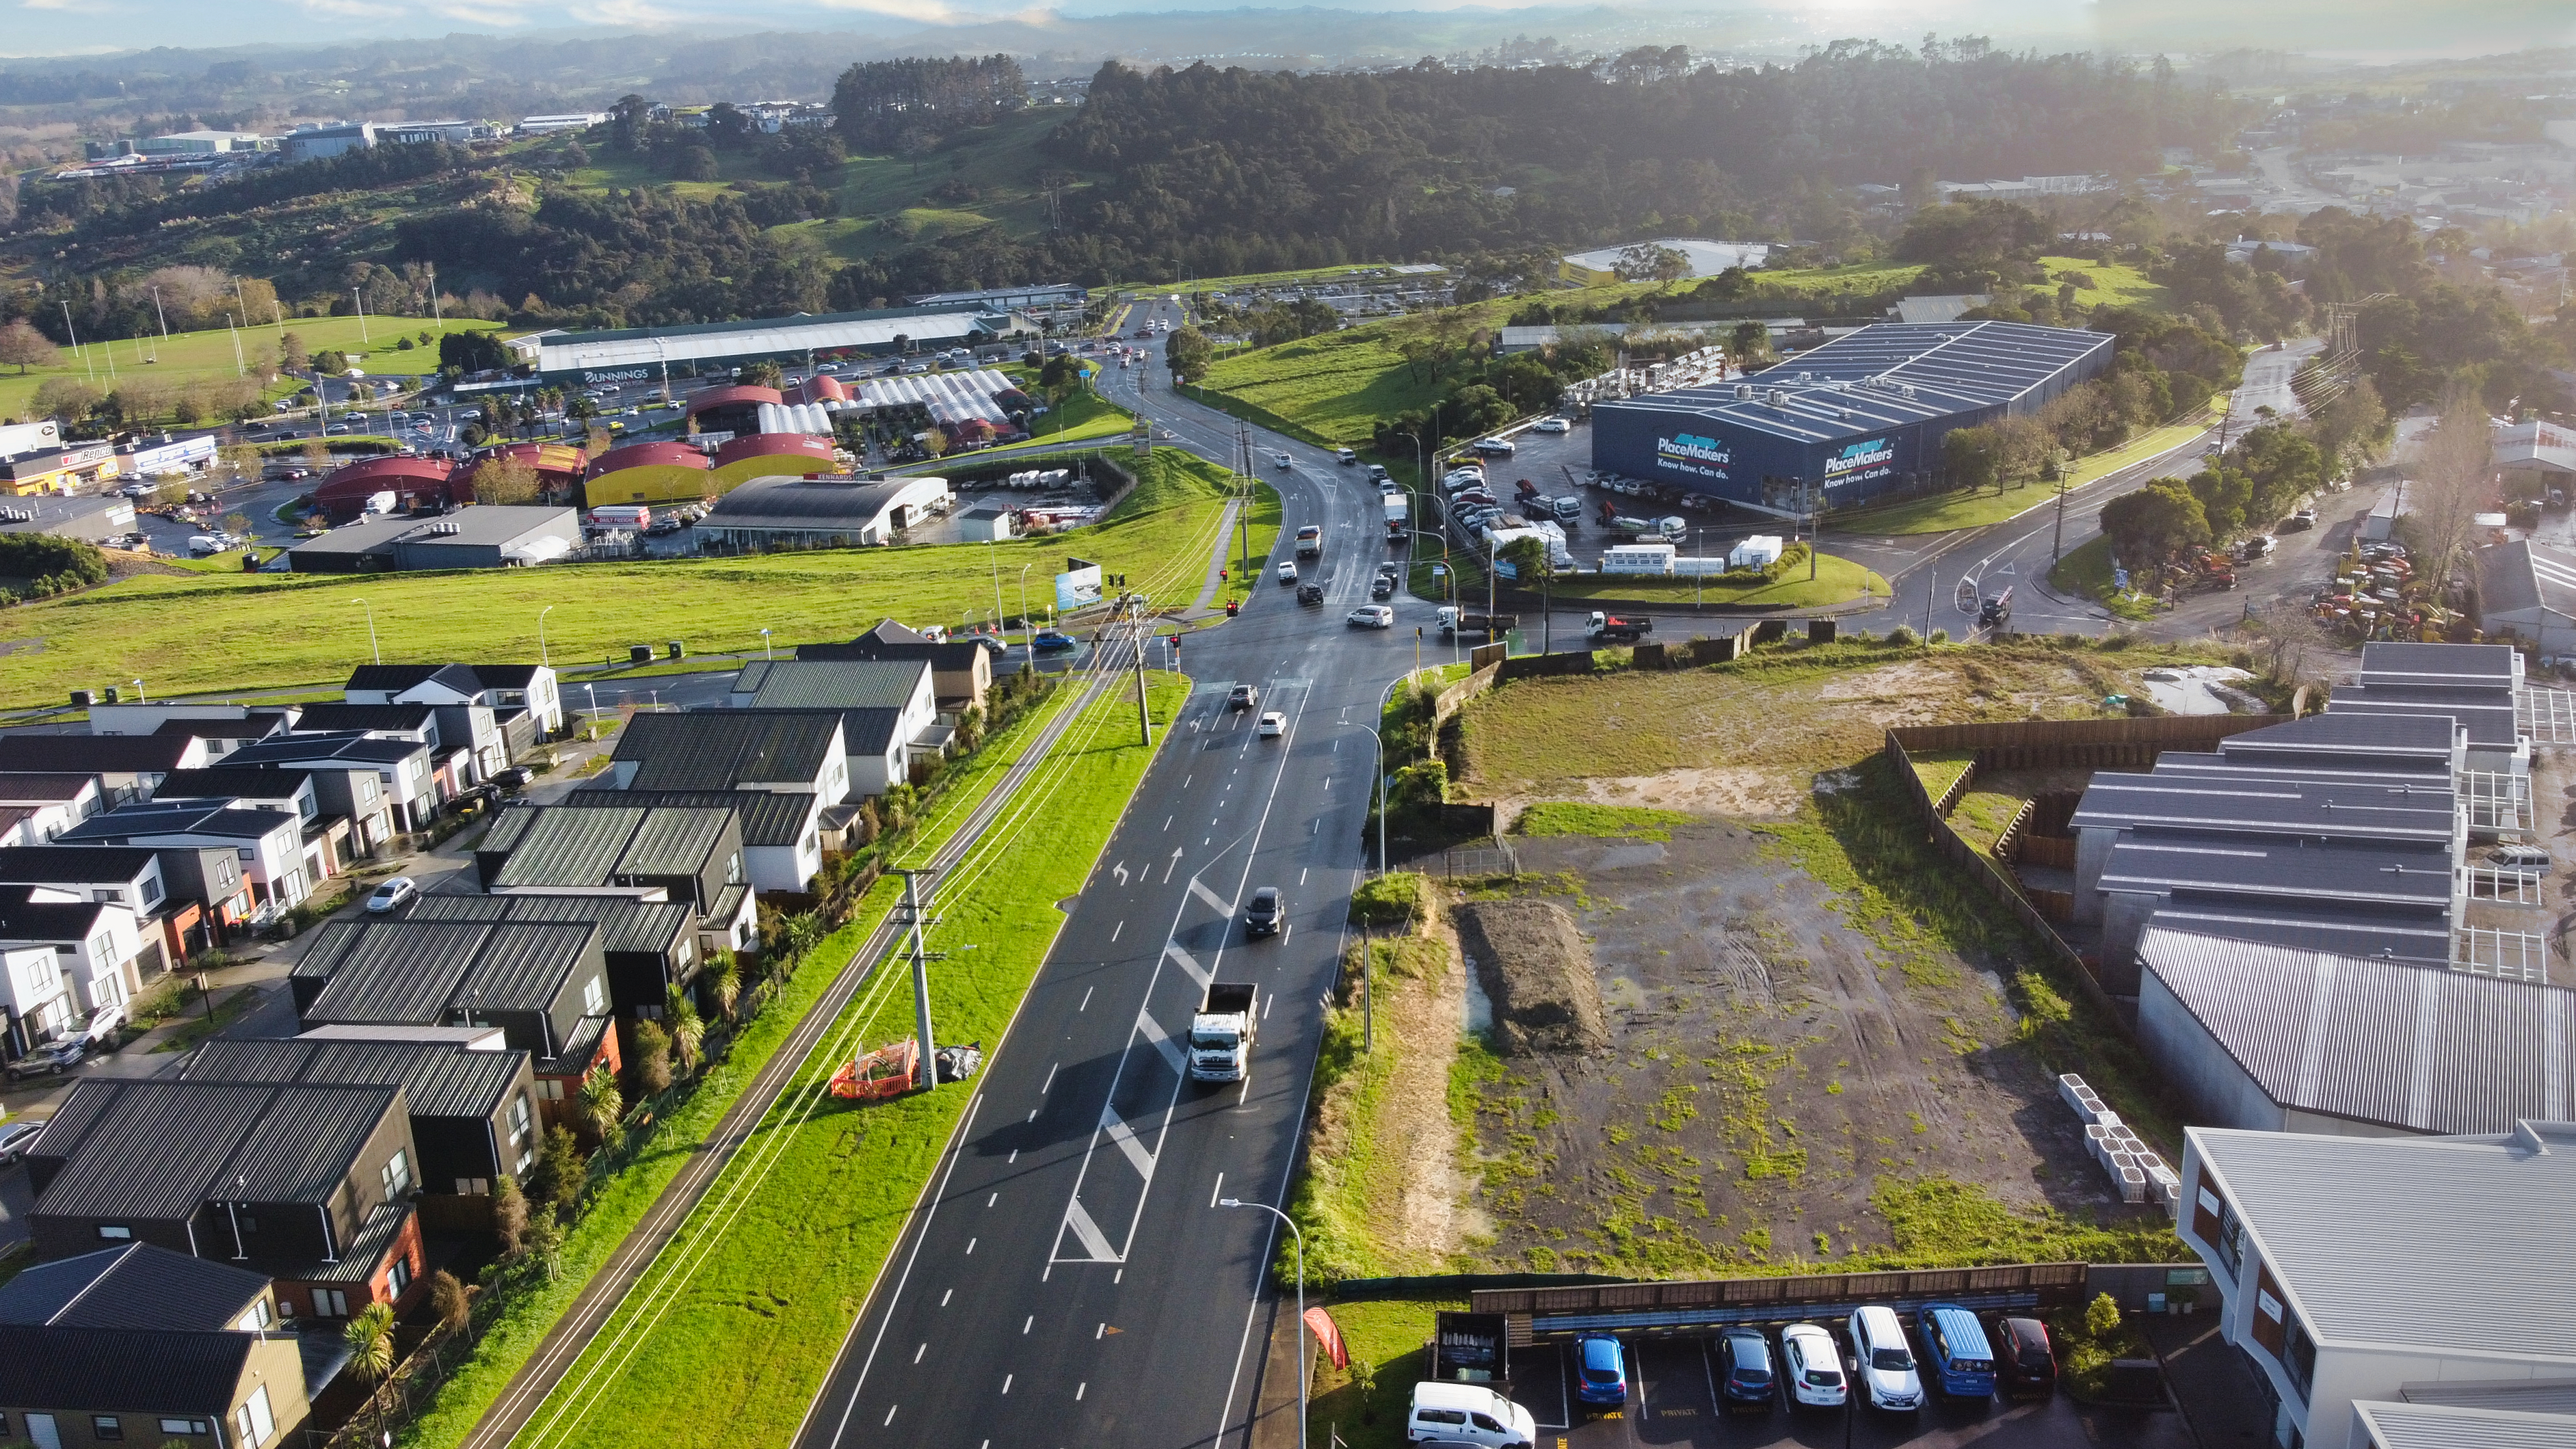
{"points": [[1902, 636]]}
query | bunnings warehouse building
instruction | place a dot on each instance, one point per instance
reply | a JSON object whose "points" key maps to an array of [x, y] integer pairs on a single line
{"points": [[1860, 416], [644, 354]]}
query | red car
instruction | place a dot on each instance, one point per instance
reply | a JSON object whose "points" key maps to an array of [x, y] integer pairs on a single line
{"points": [[2026, 1367]]}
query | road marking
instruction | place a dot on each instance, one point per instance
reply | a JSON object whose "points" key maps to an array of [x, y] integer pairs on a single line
{"points": [[970, 1246], [1216, 1190], [890, 1414], [1120, 1133], [1086, 996], [1078, 1388], [1050, 1080], [1267, 1003], [988, 1202], [1114, 935], [1025, 1327], [1189, 963], [1162, 1041], [944, 1297], [1301, 875], [1079, 1222], [1014, 1157], [1209, 896], [918, 1352], [1006, 1383], [1167, 821], [1186, 779]]}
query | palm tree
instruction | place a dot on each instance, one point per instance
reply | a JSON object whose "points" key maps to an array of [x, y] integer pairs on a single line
{"points": [[688, 1032], [724, 981], [370, 1336], [603, 1104]]}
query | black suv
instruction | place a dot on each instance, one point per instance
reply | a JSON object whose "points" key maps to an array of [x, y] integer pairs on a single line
{"points": [[1744, 1369], [1263, 916], [1310, 593]]}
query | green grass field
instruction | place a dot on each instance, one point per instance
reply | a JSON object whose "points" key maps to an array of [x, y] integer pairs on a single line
{"points": [[2120, 286], [246, 632], [191, 356], [1943, 512], [507, 1345], [733, 1329], [1837, 579]]}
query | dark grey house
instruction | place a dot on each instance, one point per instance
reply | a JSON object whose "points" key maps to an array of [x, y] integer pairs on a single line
{"points": [[473, 1113]]}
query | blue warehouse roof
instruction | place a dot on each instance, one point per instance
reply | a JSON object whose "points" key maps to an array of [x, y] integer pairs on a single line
{"points": [[1886, 376]]}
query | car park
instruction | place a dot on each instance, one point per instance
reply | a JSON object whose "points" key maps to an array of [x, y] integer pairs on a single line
{"points": [[1887, 1370], [1264, 915], [393, 895], [1371, 616], [50, 1060], [2028, 1365], [1273, 725], [1601, 1372], [1813, 1367], [1744, 1370]]}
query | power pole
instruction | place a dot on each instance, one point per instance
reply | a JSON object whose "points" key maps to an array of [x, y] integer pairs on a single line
{"points": [[1136, 628], [921, 960]]}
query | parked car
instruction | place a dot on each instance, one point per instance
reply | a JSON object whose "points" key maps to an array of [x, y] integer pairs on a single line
{"points": [[396, 893], [1886, 1364], [1495, 448], [1371, 616], [14, 1139], [2520, 857], [1445, 1413], [1963, 1363], [50, 1060], [517, 777], [1049, 641], [1273, 725], [1744, 1370], [1263, 916], [2029, 1364], [1814, 1367], [1603, 1368], [1548, 425]]}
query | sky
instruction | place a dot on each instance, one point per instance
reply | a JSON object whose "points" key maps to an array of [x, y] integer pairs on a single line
{"points": [[2384, 29]]}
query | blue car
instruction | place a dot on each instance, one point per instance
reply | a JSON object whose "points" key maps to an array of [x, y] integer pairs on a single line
{"points": [[1604, 1377], [1049, 641]]}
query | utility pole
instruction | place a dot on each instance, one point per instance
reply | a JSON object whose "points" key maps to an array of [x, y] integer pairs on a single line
{"points": [[360, 299], [921, 960], [164, 319], [1136, 627], [1815, 528], [240, 368], [74, 335]]}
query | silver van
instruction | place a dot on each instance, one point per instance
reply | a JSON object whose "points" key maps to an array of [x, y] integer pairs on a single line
{"points": [[1467, 1414]]}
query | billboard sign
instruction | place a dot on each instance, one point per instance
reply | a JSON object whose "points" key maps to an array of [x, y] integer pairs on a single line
{"points": [[1697, 454], [1861, 462], [592, 376], [1078, 587]]}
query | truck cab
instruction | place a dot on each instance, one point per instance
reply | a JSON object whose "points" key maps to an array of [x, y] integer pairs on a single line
{"points": [[1221, 1033], [1627, 629], [1310, 541]]}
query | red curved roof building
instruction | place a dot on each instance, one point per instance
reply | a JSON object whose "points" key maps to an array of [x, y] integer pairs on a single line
{"points": [[773, 455], [415, 483], [731, 409]]}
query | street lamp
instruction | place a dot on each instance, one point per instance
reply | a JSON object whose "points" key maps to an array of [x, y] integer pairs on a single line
{"points": [[138, 693], [372, 647], [993, 555], [1379, 773], [1302, 1389], [764, 644], [593, 691], [542, 659], [1024, 595]]}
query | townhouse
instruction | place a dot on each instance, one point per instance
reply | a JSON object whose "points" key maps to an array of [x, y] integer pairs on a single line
{"points": [[269, 844], [650, 947], [692, 855], [95, 948], [37, 806], [127, 767], [472, 1106], [962, 672], [525, 700], [405, 795]]}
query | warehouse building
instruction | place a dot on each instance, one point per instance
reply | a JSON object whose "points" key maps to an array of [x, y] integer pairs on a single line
{"points": [[769, 455], [841, 512], [471, 538], [95, 517], [731, 409], [648, 473], [640, 354], [2527, 591], [392, 485], [1858, 417]]}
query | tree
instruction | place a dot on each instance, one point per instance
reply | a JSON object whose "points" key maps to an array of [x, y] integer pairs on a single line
{"points": [[2352, 429], [1972, 456], [370, 1336], [2453, 467], [472, 351], [27, 347], [1651, 262], [603, 1106], [554, 1182], [1749, 344], [2155, 522], [723, 977], [509, 1213], [652, 1059], [1189, 354], [504, 480], [695, 163], [448, 1299], [66, 398], [544, 1240], [331, 362], [2102, 1317], [290, 352], [764, 373], [688, 1030]]}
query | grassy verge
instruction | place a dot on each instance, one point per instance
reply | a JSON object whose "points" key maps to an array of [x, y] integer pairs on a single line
{"points": [[1939, 770], [1084, 415], [1619, 822], [621, 1204], [207, 356], [232, 631], [1836, 580], [760, 1286], [1255, 540], [1389, 1340], [1250, 412], [1977, 508], [2086, 570]]}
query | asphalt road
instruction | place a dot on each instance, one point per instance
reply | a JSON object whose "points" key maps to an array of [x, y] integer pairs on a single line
{"points": [[1006, 1315]]}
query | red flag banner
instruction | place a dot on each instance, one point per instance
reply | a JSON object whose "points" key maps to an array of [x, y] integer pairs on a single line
{"points": [[1328, 1336]]}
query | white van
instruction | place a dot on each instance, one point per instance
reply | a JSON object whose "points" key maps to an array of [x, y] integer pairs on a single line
{"points": [[1467, 1414]]}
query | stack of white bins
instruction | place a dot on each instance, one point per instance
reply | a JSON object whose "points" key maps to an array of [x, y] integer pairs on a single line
{"points": [[2140, 1173]]}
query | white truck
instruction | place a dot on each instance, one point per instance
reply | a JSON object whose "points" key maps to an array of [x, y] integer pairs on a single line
{"points": [[1398, 515], [1672, 528], [1221, 1034], [1559, 557]]}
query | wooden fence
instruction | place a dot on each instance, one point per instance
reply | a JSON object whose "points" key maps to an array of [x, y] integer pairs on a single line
{"points": [[2097, 743], [2055, 1282]]}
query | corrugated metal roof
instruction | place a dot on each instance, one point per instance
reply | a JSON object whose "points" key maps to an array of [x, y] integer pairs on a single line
{"points": [[625, 924], [160, 1149], [832, 684], [524, 964], [2523, 577], [2228, 801], [136, 1285], [2411, 1047], [2355, 733], [330, 943], [2487, 716], [509, 826], [398, 971], [364, 1253], [2423, 938], [2425, 1426], [2536, 1396], [2488, 666], [213, 822], [727, 749], [2234, 864], [775, 336], [92, 1370], [438, 1079], [675, 840], [570, 847], [2451, 1243], [767, 817]]}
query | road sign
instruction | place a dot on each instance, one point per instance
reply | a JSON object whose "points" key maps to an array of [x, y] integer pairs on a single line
{"points": [[2120, 579]]}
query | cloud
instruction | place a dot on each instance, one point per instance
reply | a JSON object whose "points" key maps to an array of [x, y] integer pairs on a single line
{"points": [[46, 4], [625, 12], [495, 16], [352, 9], [927, 12]]}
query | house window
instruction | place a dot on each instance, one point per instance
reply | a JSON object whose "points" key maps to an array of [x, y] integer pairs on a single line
{"points": [[473, 1186], [550, 1088], [397, 1175], [246, 852], [330, 1303], [398, 1277], [108, 893], [519, 1119], [733, 869], [256, 1319], [153, 895], [2231, 1241], [116, 1232], [106, 1426], [254, 1420], [2299, 1356], [184, 1426], [102, 949], [594, 997]]}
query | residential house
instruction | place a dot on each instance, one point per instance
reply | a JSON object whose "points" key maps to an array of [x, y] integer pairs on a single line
{"points": [[796, 752], [97, 944], [224, 727], [961, 672], [206, 1389], [650, 946], [128, 876], [37, 993], [782, 835], [40, 806], [889, 719], [508, 690], [463, 740], [543, 983], [473, 1113], [329, 840], [268, 843], [2351, 1269], [406, 795], [310, 1185], [685, 854], [127, 767], [139, 1285]]}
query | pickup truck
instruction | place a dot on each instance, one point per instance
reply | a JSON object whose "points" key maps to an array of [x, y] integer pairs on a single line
{"points": [[1627, 630], [1310, 541], [1221, 1034], [1466, 621], [1244, 697]]}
